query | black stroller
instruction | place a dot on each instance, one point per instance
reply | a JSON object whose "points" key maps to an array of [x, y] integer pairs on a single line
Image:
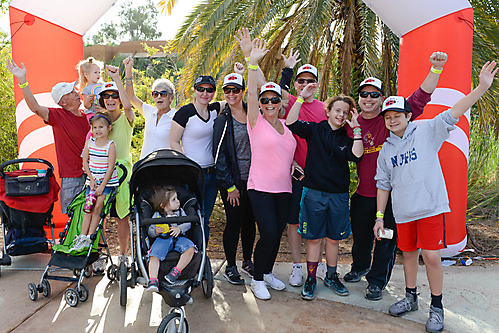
{"points": [[27, 199], [161, 168]]}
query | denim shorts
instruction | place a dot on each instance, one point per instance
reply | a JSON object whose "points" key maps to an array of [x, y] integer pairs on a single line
{"points": [[70, 187], [162, 246], [106, 191]]}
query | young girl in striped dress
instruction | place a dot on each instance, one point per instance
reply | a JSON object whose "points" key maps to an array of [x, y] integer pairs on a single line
{"points": [[99, 158]]}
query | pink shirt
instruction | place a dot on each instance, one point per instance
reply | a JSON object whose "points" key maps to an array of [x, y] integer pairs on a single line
{"points": [[271, 157]]}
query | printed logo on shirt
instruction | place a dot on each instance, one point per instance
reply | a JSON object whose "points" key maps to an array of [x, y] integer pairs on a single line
{"points": [[369, 139], [342, 147], [404, 158]]}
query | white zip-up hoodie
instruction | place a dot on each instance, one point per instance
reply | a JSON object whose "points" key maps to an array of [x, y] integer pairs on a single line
{"points": [[410, 169]]}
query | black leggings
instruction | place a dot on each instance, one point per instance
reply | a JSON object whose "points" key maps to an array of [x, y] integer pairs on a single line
{"points": [[271, 213], [240, 220]]}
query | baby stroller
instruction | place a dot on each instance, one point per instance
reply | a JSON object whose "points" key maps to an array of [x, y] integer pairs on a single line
{"points": [[79, 261], [27, 199], [161, 168]]}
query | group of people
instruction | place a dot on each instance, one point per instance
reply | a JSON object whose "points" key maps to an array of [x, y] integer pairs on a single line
{"points": [[278, 160]]}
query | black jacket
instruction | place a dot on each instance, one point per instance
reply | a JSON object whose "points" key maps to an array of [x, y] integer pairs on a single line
{"points": [[328, 153], [224, 150]]}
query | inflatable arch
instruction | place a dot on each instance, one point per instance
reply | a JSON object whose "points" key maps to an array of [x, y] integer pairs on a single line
{"points": [[47, 37]]}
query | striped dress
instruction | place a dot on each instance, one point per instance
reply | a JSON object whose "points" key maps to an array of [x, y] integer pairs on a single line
{"points": [[98, 163]]}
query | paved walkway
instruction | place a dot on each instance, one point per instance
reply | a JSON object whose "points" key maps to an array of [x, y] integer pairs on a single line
{"points": [[471, 300]]}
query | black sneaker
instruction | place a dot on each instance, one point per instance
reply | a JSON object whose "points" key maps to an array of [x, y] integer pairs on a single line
{"points": [[232, 275], [374, 293], [355, 276], [308, 291], [335, 284], [172, 276], [248, 268], [153, 286]]}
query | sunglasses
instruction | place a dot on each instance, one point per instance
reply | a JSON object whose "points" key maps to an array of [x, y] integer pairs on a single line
{"points": [[273, 100], [373, 94], [302, 81], [227, 90], [203, 89], [113, 96], [163, 93]]}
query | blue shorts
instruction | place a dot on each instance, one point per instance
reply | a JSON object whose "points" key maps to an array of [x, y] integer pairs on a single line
{"points": [[106, 191], [324, 214], [162, 246]]}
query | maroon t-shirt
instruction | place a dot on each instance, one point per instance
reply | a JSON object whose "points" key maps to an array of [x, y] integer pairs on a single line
{"points": [[70, 132], [374, 134]]}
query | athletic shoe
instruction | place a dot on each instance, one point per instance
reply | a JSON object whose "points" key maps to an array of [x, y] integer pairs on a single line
{"points": [[435, 322], [248, 268], [403, 306], [259, 289], [296, 277], [232, 275], [172, 276], [321, 270], [374, 293], [81, 244], [308, 291], [153, 286], [335, 284], [273, 282], [354, 276], [99, 266], [76, 242]]}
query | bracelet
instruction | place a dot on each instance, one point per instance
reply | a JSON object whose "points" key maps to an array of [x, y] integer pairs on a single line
{"points": [[436, 71], [128, 79], [247, 59], [231, 189], [24, 85], [379, 220], [358, 126], [380, 214], [127, 83], [357, 139], [299, 100], [253, 67], [357, 131]]}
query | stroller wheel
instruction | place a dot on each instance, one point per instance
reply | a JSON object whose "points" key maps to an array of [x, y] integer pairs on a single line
{"points": [[71, 297], [123, 283], [207, 282], [76, 272], [112, 272], [32, 291], [82, 292], [171, 323], [88, 271], [46, 290]]}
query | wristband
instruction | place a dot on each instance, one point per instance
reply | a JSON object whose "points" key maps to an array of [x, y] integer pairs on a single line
{"points": [[379, 220], [128, 79], [231, 189], [253, 67], [380, 214], [436, 71], [24, 85], [299, 100], [357, 131], [357, 139], [358, 126], [247, 59]]}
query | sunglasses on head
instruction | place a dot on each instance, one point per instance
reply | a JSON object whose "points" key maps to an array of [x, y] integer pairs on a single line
{"points": [[302, 81], [163, 93], [207, 89], [235, 90], [113, 96], [373, 94], [273, 100]]}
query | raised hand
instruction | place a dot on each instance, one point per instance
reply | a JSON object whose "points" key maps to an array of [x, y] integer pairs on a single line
{"points": [[113, 72], [438, 60], [239, 68], [19, 73], [309, 90], [245, 41], [292, 60], [128, 62], [258, 51], [355, 116], [487, 74]]}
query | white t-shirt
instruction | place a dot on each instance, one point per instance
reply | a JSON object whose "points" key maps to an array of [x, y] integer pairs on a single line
{"points": [[156, 136]]}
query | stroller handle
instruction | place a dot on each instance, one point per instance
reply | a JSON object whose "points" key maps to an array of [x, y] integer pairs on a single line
{"points": [[125, 172], [169, 220], [25, 160]]}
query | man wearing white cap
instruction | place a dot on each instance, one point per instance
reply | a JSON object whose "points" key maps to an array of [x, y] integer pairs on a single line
{"points": [[69, 126], [363, 201]]}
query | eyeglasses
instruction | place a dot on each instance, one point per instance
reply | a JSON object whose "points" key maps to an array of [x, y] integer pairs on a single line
{"points": [[227, 90], [163, 93], [113, 96], [302, 81], [273, 100], [207, 89], [373, 94]]}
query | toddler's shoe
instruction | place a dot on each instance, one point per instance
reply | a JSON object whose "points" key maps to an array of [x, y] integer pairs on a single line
{"points": [[172, 276], [153, 285]]}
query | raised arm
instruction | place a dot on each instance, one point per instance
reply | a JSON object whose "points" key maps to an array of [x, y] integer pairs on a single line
{"points": [[287, 72], [125, 101], [246, 45], [486, 78], [130, 91], [20, 74], [358, 146], [437, 60], [295, 109], [257, 53]]}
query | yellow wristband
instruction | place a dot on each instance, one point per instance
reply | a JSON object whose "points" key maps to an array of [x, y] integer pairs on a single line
{"points": [[379, 214], [247, 59], [436, 71], [299, 100], [253, 67], [24, 85], [231, 189]]}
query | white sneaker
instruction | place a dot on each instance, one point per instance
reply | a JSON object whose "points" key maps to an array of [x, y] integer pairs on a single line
{"points": [[260, 290], [296, 277], [273, 282], [321, 270], [80, 243]]}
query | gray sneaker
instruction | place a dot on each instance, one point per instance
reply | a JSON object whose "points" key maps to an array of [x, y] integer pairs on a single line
{"points": [[403, 306], [435, 322]]}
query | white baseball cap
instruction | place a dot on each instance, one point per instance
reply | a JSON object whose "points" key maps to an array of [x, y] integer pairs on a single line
{"points": [[372, 81], [271, 86], [233, 79], [397, 104], [307, 68], [109, 86], [61, 89]]}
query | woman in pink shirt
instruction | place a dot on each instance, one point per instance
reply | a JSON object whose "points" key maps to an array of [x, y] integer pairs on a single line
{"points": [[269, 181]]}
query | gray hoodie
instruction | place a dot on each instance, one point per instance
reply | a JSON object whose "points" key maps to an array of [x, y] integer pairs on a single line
{"points": [[410, 169]]}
